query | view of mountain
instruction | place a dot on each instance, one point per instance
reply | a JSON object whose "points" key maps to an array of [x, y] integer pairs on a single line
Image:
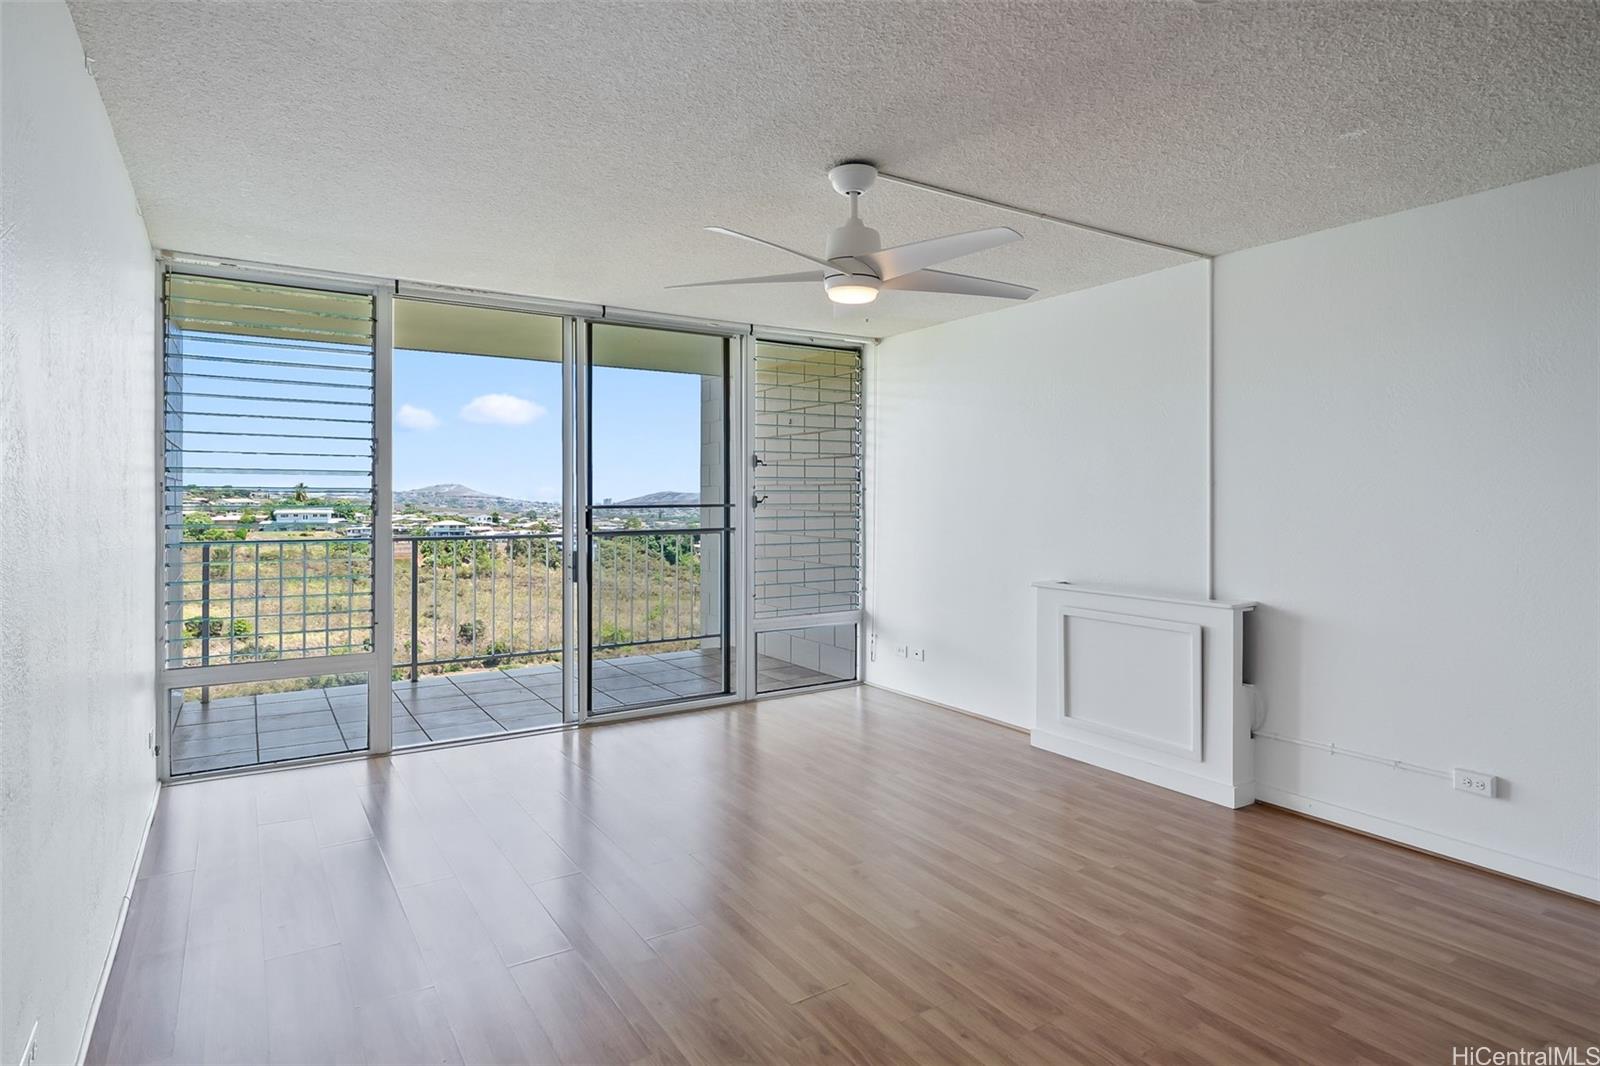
{"points": [[657, 499], [468, 500], [465, 499]]}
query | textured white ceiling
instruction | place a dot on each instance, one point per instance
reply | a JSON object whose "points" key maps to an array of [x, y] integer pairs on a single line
{"points": [[575, 150]]}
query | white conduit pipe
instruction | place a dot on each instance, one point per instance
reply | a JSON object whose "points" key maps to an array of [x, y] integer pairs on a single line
{"points": [[1040, 215], [1351, 753]]}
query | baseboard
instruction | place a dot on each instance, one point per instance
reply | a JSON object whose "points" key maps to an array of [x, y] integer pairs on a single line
{"points": [[116, 934], [1205, 788], [1532, 871], [948, 707]]}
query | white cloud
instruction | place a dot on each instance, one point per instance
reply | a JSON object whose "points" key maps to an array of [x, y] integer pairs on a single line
{"points": [[498, 409], [409, 417]]}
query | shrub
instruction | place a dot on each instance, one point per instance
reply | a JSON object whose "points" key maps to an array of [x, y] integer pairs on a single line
{"points": [[217, 627]]}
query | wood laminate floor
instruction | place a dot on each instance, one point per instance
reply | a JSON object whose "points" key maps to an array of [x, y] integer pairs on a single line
{"points": [[848, 876]]}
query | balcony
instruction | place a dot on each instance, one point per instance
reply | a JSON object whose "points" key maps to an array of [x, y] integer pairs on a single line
{"points": [[478, 638]]}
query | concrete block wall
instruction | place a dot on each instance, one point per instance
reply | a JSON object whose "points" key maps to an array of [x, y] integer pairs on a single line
{"points": [[808, 436]]}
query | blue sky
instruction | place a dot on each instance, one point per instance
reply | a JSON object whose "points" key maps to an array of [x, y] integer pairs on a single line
{"points": [[495, 424]]}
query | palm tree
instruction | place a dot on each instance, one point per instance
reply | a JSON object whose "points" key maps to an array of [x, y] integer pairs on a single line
{"points": [[300, 493]]}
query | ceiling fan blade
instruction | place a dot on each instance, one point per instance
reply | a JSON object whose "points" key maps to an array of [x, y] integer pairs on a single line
{"points": [[903, 259], [812, 276], [963, 284], [726, 232]]}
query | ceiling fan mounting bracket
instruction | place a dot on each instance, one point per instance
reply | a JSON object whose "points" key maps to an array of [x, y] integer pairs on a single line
{"points": [[852, 179]]}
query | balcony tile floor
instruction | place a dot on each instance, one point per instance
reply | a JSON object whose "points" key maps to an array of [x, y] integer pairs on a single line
{"points": [[251, 730]]}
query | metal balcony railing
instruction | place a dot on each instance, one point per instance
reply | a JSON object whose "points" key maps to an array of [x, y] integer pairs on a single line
{"points": [[484, 599], [235, 601], [495, 599], [655, 587], [477, 598]]}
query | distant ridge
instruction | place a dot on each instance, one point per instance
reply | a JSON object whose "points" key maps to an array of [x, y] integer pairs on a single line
{"points": [[464, 498], [468, 500], [660, 499]]}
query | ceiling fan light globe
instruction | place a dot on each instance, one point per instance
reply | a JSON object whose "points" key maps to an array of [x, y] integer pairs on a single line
{"points": [[851, 288]]}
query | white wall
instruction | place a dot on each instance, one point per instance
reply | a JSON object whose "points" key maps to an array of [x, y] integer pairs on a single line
{"points": [[1408, 476], [77, 496], [1050, 440]]}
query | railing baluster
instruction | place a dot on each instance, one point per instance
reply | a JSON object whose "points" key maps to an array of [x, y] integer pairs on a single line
{"points": [[205, 616], [414, 547], [233, 564]]}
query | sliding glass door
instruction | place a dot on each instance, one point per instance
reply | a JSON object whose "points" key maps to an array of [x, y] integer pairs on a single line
{"points": [[656, 518]]}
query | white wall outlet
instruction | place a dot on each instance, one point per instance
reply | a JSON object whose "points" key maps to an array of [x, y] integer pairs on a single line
{"points": [[1474, 782], [920, 654], [872, 647], [901, 650]]}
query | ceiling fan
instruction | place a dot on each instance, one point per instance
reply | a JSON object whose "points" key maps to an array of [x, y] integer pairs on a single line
{"points": [[857, 266]]}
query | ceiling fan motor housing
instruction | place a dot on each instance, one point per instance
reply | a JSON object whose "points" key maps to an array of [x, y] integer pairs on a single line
{"points": [[852, 239]]}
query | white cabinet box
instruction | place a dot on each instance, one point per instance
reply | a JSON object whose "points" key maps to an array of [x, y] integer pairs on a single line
{"points": [[1148, 686]]}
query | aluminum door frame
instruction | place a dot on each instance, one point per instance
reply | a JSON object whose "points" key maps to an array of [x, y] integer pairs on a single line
{"points": [[734, 533]]}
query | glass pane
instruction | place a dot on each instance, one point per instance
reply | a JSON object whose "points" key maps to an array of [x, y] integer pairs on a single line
{"points": [[478, 555], [656, 619], [250, 724], [658, 575], [797, 658], [658, 428]]}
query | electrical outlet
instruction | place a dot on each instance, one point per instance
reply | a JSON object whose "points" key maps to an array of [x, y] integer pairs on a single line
{"points": [[920, 654], [901, 650], [1474, 782], [872, 648]]}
